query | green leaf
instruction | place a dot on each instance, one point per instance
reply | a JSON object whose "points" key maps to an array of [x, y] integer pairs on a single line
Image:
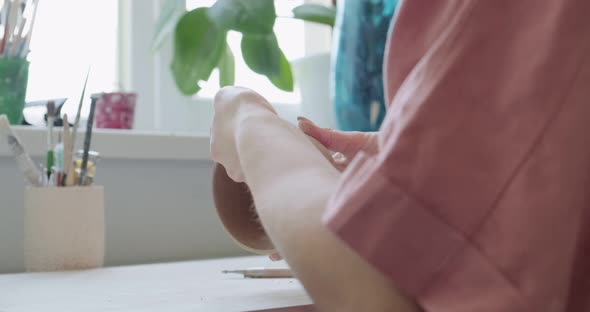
{"points": [[284, 80], [315, 13], [198, 46], [171, 12], [227, 68], [246, 16], [262, 54]]}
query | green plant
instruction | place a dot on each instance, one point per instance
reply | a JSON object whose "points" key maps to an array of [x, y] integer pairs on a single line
{"points": [[200, 40]]}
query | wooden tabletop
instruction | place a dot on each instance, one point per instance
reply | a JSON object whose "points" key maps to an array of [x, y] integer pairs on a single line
{"points": [[179, 286]]}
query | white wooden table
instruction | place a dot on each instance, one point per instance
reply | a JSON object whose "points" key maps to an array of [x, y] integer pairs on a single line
{"points": [[179, 286]]}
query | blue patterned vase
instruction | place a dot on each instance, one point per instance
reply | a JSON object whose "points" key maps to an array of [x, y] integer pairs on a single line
{"points": [[360, 34]]}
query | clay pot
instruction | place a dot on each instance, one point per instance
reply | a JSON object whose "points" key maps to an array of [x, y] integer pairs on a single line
{"points": [[235, 207]]}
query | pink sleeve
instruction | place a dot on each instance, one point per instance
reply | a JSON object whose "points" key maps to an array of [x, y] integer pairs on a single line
{"points": [[392, 238], [476, 201]]}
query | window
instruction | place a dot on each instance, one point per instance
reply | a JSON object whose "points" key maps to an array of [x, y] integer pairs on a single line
{"points": [[162, 105], [115, 38], [290, 34], [69, 36]]}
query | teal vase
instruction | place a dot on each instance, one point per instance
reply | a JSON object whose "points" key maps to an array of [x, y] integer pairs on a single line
{"points": [[361, 33]]}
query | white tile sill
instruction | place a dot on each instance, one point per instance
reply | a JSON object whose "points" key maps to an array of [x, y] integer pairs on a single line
{"points": [[123, 144]]}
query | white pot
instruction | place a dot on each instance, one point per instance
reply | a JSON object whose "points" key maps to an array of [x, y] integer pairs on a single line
{"points": [[312, 75]]}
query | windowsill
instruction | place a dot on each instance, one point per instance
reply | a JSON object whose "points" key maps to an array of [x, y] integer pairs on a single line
{"points": [[122, 144]]}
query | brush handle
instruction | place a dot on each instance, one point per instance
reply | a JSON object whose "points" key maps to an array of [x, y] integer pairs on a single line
{"points": [[50, 162], [67, 166], [87, 140]]}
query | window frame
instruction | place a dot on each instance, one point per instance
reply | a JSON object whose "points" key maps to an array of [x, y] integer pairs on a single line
{"points": [[160, 105]]}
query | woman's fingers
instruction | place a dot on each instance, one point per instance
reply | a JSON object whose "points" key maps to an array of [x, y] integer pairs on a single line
{"points": [[347, 143], [340, 161], [275, 256]]}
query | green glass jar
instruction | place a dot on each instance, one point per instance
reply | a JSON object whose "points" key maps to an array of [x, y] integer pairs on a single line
{"points": [[14, 75]]}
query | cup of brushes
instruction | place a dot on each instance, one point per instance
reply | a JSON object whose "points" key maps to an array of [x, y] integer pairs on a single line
{"points": [[64, 210]]}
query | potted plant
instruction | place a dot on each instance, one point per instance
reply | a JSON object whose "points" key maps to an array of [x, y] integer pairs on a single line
{"points": [[200, 40]]}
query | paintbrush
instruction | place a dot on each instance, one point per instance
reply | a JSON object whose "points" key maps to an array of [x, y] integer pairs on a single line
{"points": [[23, 50], [87, 138], [67, 149], [6, 17], [70, 168], [50, 145], [11, 25], [3, 10]]}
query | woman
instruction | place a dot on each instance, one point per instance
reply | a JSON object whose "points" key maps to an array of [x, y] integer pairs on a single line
{"points": [[474, 197]]}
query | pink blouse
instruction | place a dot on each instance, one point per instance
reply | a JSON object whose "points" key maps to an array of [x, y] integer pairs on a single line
{"points": [[479, 198]]}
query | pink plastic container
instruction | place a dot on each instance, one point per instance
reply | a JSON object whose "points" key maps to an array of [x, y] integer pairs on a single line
{"points": [[115, 110]]}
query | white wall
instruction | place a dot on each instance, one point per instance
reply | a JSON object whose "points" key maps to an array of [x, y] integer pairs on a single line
{"points": [[156, 209]]}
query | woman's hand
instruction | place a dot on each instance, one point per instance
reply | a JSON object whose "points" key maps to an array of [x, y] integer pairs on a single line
{"points": [[345, 144], [232, 105]]}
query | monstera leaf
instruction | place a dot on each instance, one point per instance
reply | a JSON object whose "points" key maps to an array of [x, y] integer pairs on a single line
{"points": [[263, 55], [315, 13], [227, 68], [245, 16], [198, 47], [200, 40]]}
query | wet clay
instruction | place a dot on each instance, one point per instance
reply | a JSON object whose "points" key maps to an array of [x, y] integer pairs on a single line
{"points": [[235, 207]]}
